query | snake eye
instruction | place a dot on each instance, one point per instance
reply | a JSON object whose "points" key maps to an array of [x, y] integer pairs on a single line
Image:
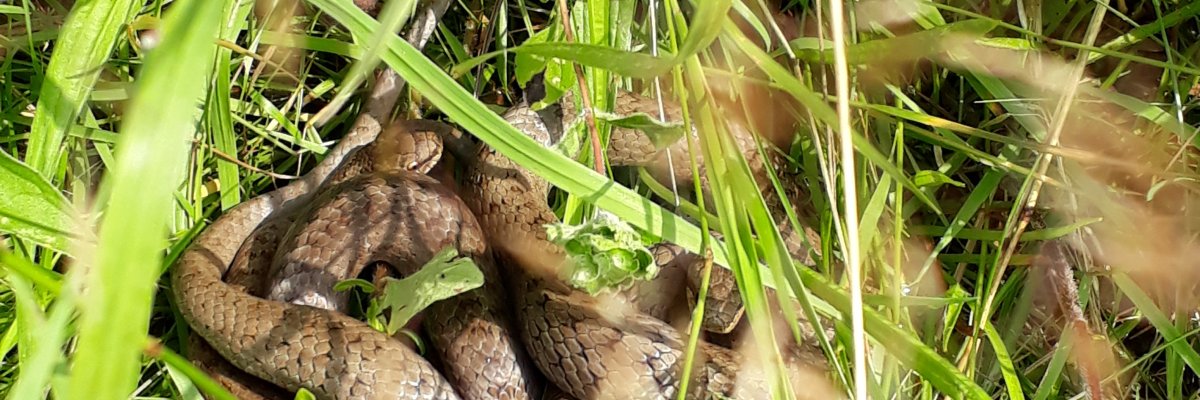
{"points": [[442, 276]]}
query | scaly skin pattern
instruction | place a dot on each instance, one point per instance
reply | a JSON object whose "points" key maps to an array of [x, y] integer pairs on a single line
{"points": [[403, 219], [630, 147], [337, 220], [582, 348], [294, 346]]}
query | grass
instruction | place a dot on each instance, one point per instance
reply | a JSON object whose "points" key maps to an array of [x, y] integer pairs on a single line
{"points": [[974, 142]]}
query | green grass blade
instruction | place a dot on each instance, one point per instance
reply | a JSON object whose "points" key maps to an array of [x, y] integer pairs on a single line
{"points": [[708, 17], [637, 65], [1035, 235], [46, 279], [467, 111], [219, 114], [1058, 362], [189, 379], [1142, 32], [1160, 321], [84, 44], [150, 156], [910, 45], [50, 332], [1011, 381], [474, 117], [819, 108]]}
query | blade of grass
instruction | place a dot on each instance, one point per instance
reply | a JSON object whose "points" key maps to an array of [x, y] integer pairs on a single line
{"points": [[85, 42], [393, 16], [187, 377], [46, 279], [708, 20], [1011, 381], [1058, 362], [1159, 319], [151, 149], [50, 331], [852, 250], [1145, 31], [740, 206], [474, 117], [958, 231], [218, 113]]}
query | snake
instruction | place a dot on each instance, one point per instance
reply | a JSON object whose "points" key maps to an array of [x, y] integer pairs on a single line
{"points": [[290, 345], [371, 200]]}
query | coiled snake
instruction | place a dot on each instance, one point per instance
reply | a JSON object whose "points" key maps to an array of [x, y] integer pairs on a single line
{"points": [[370, 201]]}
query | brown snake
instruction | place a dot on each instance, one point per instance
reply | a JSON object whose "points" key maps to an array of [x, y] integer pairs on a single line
{"points": [[379, 212]]}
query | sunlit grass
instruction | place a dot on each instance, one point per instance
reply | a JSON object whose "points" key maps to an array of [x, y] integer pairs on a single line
{"points": [[945, 154]]}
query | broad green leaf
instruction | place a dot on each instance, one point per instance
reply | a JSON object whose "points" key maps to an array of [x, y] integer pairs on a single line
{"points": [[661, 134], [445, 276], [304, 394], [606, 253], [528, 64], [33, 209]]}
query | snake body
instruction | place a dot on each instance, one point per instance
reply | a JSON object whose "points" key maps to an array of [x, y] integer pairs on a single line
{"points": [[403, 219], [290, 345], [584, 350], [355, 208]]}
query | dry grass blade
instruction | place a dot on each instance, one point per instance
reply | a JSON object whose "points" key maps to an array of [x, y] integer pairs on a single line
{"points": [[1053, 264], [849, 198]]}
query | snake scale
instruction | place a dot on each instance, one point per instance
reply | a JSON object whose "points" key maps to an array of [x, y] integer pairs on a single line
{"points": [[369, 201]]}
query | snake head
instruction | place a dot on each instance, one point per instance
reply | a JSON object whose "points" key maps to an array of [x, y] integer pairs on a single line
{"points": [[411, 145]]}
